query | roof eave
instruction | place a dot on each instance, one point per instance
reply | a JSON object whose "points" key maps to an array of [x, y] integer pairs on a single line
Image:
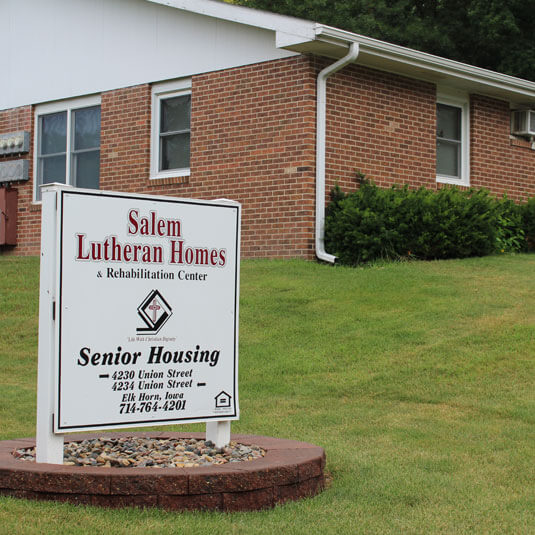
{"points": [[266, 20], [424, 66]]}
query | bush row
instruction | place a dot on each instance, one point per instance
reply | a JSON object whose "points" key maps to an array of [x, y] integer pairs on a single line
{"points": [[375, 223]]}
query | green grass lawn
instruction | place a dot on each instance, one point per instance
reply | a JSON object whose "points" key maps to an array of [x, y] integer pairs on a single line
{"points": [[417, 378]]}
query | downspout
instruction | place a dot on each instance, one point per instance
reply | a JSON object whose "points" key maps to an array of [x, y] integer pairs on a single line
{"points": [[321, 115]]}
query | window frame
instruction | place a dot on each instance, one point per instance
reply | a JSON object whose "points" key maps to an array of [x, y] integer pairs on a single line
{"points": [[162, 91], [68, 106], [462, 102]]}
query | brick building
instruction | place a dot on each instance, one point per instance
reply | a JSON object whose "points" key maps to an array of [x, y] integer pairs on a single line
{"points": [[198, 98]]}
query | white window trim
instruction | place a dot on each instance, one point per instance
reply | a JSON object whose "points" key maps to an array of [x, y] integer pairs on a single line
{"points": [[55, 107], [161, 91], [459, 101]]}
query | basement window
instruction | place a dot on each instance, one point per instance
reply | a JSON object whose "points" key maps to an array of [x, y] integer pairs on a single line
{"points": [[171, 129], [67, 141], [452, 155]]}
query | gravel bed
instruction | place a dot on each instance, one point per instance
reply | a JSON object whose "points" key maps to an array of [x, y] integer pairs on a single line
{"points": [[138, 452]]}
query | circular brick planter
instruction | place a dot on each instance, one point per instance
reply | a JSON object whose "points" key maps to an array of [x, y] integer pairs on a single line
{"points": [[290, 470]]}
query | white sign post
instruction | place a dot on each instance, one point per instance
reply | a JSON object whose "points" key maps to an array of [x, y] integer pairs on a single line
{"points": [[145, 330], [49, 447]]}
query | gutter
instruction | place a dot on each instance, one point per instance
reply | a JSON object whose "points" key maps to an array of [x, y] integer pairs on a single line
{"points": [[425, 66], [321, 133]]}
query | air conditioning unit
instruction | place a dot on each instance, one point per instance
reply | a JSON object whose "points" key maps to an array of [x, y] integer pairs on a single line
{"points": [[523, 123]]}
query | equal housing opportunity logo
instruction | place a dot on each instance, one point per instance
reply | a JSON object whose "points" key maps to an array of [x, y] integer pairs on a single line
{"points": [[154, 311]]}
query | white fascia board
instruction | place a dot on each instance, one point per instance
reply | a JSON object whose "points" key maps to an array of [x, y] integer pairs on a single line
{"points": [[301, 30], [289, 40], [424, 62]]}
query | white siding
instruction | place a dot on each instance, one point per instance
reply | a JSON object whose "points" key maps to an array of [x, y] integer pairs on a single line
{"points": [[65, 48]]}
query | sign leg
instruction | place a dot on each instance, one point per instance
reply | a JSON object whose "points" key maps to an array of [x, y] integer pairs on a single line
{"points": [[49, 447], [218, 433]]}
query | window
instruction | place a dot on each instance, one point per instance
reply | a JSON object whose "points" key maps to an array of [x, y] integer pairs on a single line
{"points": [[171, 120], [452, 141], [68, 144]]}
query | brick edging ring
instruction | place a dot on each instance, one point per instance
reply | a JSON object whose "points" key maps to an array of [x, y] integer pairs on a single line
{"points": [[290, 470]]}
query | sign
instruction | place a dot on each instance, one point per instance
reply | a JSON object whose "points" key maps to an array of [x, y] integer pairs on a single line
{"points": [[146, 310]]}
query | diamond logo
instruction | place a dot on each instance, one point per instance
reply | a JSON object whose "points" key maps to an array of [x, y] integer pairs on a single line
{"points": [[154, 311]]}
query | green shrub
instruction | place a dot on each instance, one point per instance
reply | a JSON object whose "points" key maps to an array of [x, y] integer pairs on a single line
{"points": [[359, 227], [374, 223], [450, 223], [510, 234], [528, 223]]}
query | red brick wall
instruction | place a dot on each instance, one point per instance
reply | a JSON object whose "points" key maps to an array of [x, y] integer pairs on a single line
{"points": [[29, 215], [499, 162], [382, 125], [125, 139], [253, 140]]}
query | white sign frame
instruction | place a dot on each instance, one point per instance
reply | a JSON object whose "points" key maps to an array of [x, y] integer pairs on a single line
{"points": [[50, 427]]}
